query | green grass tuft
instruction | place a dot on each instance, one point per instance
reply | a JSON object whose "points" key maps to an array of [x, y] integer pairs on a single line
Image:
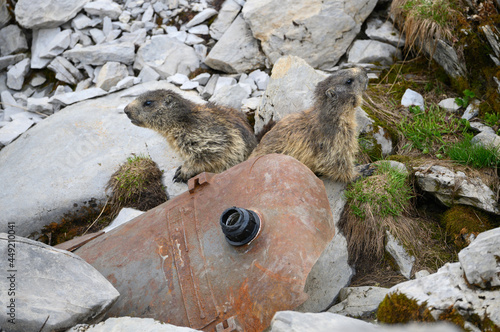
{"points": [[475, 155]]}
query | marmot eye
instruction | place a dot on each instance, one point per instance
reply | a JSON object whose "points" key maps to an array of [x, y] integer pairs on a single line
{"points": [[147, 103], [349, 81]]}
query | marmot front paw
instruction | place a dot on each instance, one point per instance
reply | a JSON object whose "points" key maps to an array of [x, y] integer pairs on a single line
{"points": [[180, 176]]}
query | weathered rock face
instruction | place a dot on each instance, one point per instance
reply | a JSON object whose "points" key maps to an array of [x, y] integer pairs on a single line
{"points": [[48, 282], [404, 260], [237, 51], [317, 31], [37, 14], [290, 89], [447, 288], [480, 260], [68, 159], [450, 187]]}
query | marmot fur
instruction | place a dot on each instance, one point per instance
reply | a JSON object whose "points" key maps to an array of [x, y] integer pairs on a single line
{"points": [[324, 137], [210, 138]]}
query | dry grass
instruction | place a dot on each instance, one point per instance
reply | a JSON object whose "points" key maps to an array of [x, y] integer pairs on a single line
{"points": [[424, 21], [136, 184]]}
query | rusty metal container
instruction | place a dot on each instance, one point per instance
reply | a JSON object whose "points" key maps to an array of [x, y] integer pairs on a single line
{"points": [[175, 264]]}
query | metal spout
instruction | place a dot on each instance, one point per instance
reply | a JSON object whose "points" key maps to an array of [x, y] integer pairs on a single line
{"points": [[240, 226]]}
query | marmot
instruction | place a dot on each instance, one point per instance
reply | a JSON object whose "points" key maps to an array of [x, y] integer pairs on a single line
{"points": [[211, 138], [324, 137]]}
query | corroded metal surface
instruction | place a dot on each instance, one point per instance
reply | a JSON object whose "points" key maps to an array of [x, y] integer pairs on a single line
{"points": [[174, 264]]}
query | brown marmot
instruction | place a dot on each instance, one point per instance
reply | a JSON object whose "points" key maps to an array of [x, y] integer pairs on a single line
{"points": [[324, 137], [210, 138]]}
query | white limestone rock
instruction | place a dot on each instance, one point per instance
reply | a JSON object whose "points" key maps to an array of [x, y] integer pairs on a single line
{"points": [[65, 71], [97, 55], [42, 14], [456, 188], [237, 51], [40, 105], [260, 78], [487, 139], [359, 301], [404, 260], [167, 56], [201, 17], [12, 40], [52, 283], [449, 104], [148, 74], [9, 60], [372, 51], [178, 79], [412, 98], [230, 95], [228, 12], [290, 89], [202, 79], [57, 45], [472, 110], [384, 31], [42, 38], [300, 30], [81, 21], [69, 98], [447, 288], [130, 324], [110, 74], [479, 260], [365, 123], [103, 8], [13, 130], [17, 73]]}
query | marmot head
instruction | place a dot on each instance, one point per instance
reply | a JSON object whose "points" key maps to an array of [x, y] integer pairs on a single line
{"points": [[344, 87], [159, 110]]}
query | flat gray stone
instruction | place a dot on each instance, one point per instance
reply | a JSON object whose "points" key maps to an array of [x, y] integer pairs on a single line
{"points": [[359, 301], [148, 74], [201, 17], [50, 282], [404, 260], [17, 73], [487, 139], [291, 321], [81, 21], [103, 8], [57, 45], [42, 38], [372, 51], [167, 56], [69, 98], [228, 12], [237, 51], [472, 110], [260, 78], [65, 71], [456, 188], [230, 95], [75, 151], [13, 130], [482, 128], [12, 40], [480, 260], [384, 31], [40, 105], [130, 324], [110, 74], [42, 14], [8, 60], [100, 54]]}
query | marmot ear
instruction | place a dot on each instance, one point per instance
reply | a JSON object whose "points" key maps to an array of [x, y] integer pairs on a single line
{"points": [[331, 94]]}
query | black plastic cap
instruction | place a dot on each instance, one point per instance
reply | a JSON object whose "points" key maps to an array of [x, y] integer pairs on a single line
{"points": [[240, 226]]}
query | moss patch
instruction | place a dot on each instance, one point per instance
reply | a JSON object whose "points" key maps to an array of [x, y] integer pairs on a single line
{"points": [[136, 184], [461, 222], [397, 308]]}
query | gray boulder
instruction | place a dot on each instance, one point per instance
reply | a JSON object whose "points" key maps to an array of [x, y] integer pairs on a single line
{"points": [[359, 301], [97, 55], [237, 51], [167, 56], [372, 51], [300, 30], [130, 324], [487, 139], [75, 152], [447, 288], [12, 40], [38, 14], [480, 260], [290, 321], [49, 285], [456, 188], [290, 89]]}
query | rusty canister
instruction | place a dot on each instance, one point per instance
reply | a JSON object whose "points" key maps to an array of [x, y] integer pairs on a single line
{"points": [[177, 265]]}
